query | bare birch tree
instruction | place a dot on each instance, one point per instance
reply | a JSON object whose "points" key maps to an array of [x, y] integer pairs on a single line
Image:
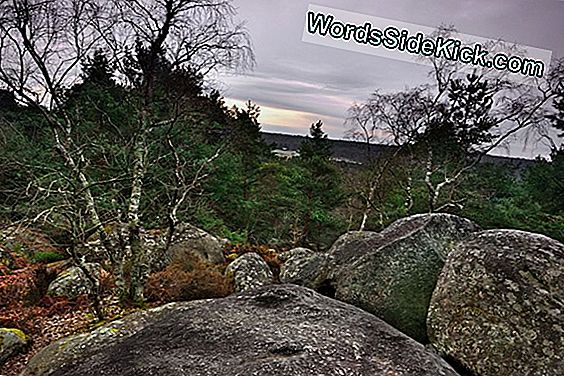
{"points": [[42, 45], [408, 119]]}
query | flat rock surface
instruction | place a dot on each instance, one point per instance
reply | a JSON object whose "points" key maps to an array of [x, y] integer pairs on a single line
{"points": [[273, 330]]}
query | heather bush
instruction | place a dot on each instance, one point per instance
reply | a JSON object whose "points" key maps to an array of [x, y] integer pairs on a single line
{"points": [[188, 279]]}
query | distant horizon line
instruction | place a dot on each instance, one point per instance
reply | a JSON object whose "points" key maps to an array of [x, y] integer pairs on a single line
{"points": [[348, 140]]}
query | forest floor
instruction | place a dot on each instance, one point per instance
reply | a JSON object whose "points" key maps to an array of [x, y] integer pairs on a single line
{"points": [[49, 329]]}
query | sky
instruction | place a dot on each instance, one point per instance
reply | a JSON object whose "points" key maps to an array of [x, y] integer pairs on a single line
{"points": [[297, 83]]}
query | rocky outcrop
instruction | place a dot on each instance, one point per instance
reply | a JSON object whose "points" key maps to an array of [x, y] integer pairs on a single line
{"points": [[249, 271], [273, 330], [12, 342], [498, 308], [392, 273], [73, 282]]}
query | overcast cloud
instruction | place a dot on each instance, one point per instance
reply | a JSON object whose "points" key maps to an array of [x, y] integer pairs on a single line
{"points": [[297, 83]]}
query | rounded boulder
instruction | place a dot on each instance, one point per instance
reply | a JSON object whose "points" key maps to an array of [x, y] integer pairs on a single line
{"points": [[305, 268], [249, 271], [395, 271], [498, 308]]}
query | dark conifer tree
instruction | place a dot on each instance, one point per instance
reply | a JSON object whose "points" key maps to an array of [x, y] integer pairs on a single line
{"points": [[317, 145]]}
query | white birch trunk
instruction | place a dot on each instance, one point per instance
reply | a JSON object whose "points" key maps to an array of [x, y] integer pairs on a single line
{"points": [[139, 266]]}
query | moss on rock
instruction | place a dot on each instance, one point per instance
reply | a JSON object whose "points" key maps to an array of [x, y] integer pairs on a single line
{"points": [[12, 342], [395, 271]]}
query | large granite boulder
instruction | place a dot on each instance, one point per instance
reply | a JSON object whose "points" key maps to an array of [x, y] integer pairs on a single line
{"points": [[498, 308], [273, 330], [249, 271], [350, 247], [392, 273], [71, 349], [73, 282], [12, 342]]}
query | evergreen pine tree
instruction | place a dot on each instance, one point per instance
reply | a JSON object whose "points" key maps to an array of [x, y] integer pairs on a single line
{"points": [[316, 145]]}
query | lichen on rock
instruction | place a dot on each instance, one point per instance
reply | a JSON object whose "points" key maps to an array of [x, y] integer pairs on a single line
{"points": [[73, 282], [249, 271], [12, 342], [269, 331], [498, 308], [305, 268]]}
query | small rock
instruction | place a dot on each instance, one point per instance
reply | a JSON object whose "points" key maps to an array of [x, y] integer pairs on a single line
{"points": [[305, 268], [12, 342], [189, 239], [249, 271], [73, 282]]}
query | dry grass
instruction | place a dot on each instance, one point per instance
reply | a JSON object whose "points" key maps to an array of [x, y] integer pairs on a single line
{"points": [[188, 279]]}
